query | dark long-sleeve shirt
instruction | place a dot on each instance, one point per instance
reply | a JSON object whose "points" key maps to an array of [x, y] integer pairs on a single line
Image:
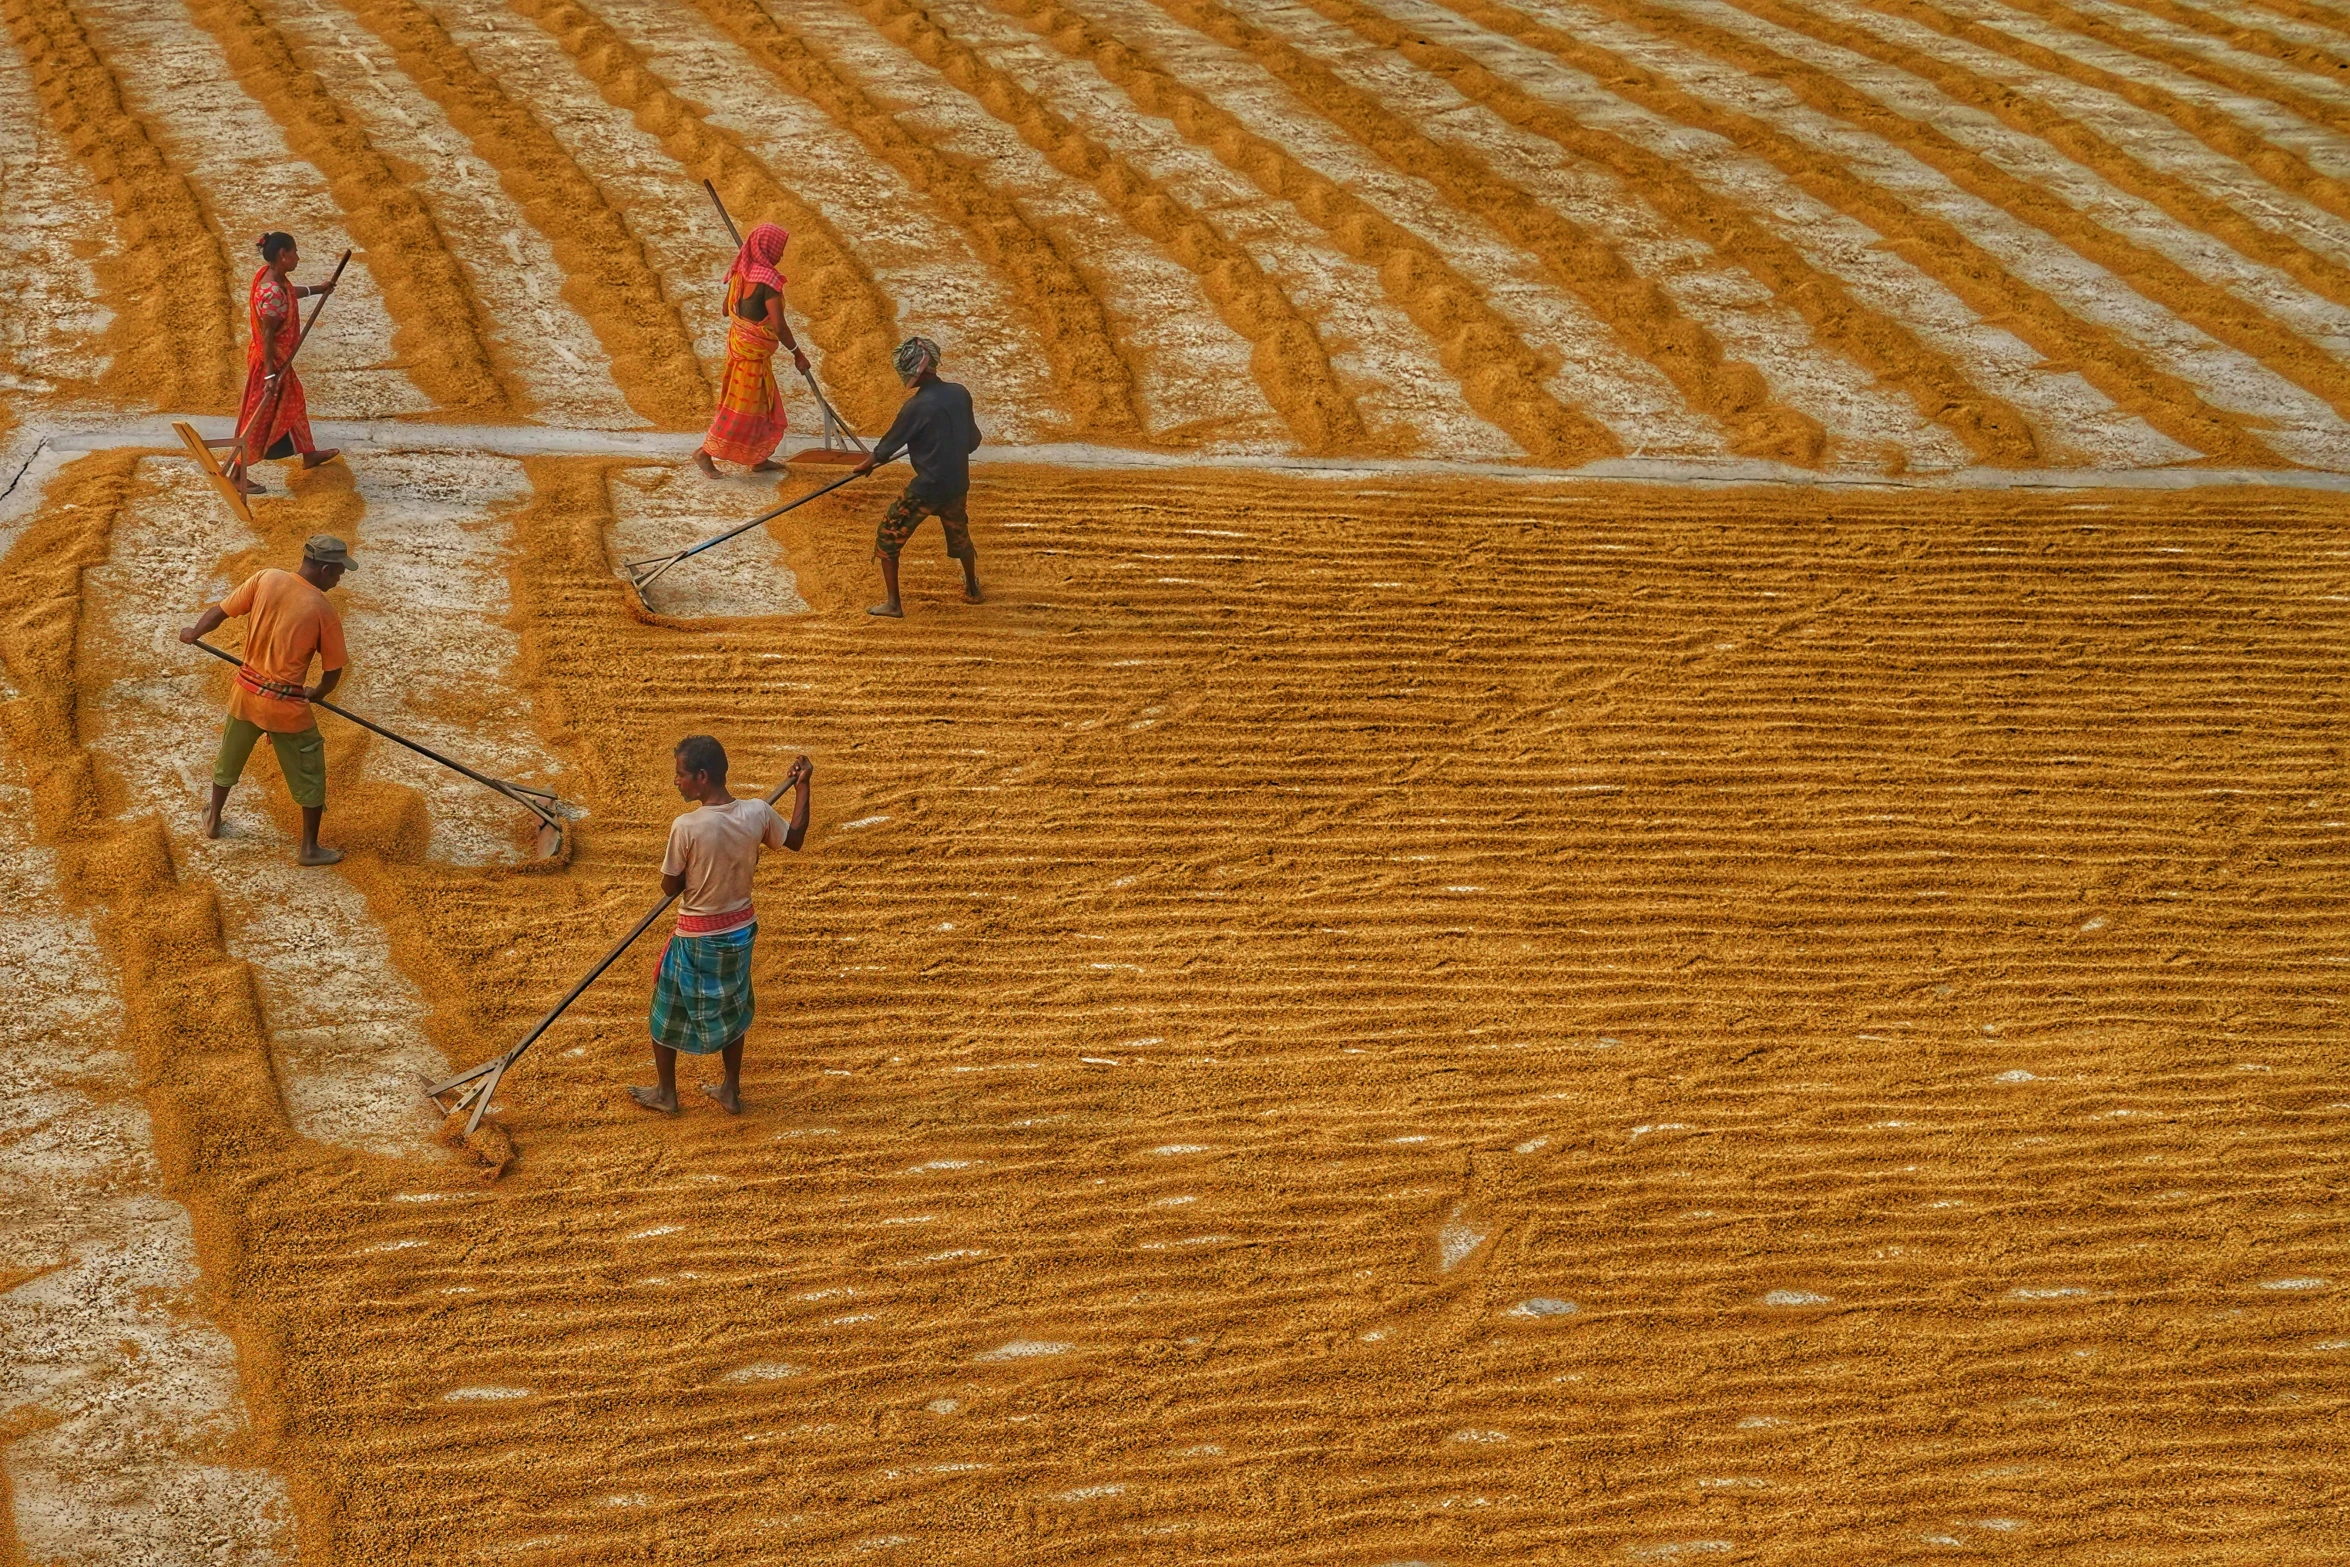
{"points": [[935, 428]]}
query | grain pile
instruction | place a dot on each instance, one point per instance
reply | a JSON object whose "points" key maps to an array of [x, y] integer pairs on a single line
{"points": [[1400, 1017]]}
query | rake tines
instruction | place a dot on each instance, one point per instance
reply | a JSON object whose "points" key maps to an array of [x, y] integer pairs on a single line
{"points": [[484, 1079]]}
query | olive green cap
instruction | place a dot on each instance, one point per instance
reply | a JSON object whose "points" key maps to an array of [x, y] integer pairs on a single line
{"points": [[328, 550]]}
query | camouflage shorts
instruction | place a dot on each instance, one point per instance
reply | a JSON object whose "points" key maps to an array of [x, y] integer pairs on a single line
{"points": [[905, 514]]}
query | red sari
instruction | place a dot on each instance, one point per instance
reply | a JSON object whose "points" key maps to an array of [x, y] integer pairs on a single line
{"points": [[289, 416]]}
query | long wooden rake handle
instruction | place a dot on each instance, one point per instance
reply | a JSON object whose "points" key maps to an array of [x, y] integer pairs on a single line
{"points": [[277, 379], [542, 803], [484, 1078], [725, 216], [659, 564], [832, 420]]}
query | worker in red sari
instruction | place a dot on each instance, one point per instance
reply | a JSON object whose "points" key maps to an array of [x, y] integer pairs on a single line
{"points": [[274, 419], [749, 419]]}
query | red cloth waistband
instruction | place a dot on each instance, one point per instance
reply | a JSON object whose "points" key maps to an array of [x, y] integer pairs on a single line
{"points": [[254, 683], [715, 924]]}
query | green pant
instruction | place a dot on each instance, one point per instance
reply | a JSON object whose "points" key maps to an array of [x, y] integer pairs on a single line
{"points": [[302, 758]]}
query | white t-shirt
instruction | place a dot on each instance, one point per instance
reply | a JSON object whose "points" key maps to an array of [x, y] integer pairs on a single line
{"points": [[716, 848]]}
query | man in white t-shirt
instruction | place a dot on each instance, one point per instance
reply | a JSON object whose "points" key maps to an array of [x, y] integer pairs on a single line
{"points": [[702, 1002]]}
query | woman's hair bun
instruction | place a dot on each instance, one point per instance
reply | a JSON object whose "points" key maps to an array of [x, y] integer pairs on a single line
{"points": [[274, 243]]}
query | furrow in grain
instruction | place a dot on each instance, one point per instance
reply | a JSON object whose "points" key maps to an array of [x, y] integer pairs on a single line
{"points": [[51, 342], [911, 248], [191, 1017], [173, 337], [1580, 259], [2253, 328], [108, 1339], [2227, 133], [2062, 412], [1500, 375], [850, 316], [1094, 380], [237, 161], [565, 375], [1872, 337], [2321, 55], [1290, 361], [607, 276], [2128, 375], [442, 335], [2186, 200], [1191, 370]]}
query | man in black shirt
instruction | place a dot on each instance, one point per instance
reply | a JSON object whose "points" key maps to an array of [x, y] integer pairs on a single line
{"points": [[935, 429]]}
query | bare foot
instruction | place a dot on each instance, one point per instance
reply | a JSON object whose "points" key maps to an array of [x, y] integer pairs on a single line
{"points": [[764, 466], [212, 821], [246, 486], [654, 1099], [314, 459], [973, 596], [889, 610], [318, 855], [703, 462], [729, 1099]]}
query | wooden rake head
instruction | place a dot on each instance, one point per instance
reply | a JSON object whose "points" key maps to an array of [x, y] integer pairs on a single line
{"points": [[477, 1085], [642, 574], [554, 814], [841, 447]]}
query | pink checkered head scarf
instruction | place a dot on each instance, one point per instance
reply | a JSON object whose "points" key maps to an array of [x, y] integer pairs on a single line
{"points": [[755, 262]]}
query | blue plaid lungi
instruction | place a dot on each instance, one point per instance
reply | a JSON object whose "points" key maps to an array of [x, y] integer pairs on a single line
{"points": [[702, 1001]]}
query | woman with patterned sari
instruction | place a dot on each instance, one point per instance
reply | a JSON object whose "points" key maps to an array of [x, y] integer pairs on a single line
{"points": [[273, 419], [749, 419]]}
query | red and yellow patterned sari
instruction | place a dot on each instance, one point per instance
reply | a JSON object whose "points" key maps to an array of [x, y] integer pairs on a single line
{"points": [[749, 420]]}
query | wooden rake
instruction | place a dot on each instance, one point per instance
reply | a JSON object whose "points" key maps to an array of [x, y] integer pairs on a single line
{"points": [[840, 442], [642, 574], [480, 1082], [274, 393], [553, 812]]}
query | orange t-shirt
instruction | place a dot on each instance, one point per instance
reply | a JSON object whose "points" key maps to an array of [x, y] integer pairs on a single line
{"points": [[291, 621]]}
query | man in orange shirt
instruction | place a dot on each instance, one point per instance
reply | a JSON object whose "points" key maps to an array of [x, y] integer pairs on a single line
{"points": [[292, 623]]}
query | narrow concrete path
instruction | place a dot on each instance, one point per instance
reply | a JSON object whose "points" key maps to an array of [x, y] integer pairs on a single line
{"points": [[50, 448]]}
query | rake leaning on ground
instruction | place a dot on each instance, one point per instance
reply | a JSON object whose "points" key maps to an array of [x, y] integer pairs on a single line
{"points": [[553, 812], [484, 1078], [263, 411], [642, 574]]}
